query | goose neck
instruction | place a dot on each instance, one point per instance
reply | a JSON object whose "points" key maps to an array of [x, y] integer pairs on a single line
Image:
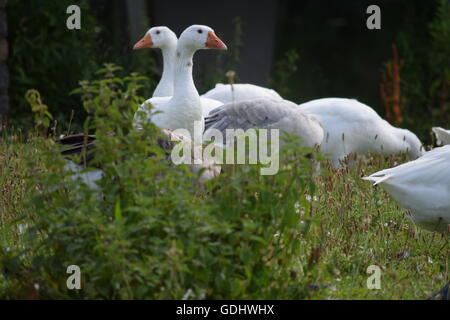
{"points": [[165, 85], [184, 86]]}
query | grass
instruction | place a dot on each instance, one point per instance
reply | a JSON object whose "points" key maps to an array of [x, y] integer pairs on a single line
{"points": [[362, 225], [351, 225], [13, 172]]}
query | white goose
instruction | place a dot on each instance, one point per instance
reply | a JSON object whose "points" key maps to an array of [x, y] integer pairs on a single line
{"points": [[228, 93], [352, 127], [177, 112], [184, 108], [269, 114], [421, 186], [442, 135], [165, 39]]}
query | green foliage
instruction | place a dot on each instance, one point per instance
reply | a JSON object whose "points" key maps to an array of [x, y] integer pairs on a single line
{"points": [[439, 30], [42, 117], [236, 237], [149, 231], [47, 56], [426, 74]]}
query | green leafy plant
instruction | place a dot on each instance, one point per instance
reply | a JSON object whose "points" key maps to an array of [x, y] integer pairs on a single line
{"points": [[426, 74], [42, 117], [47, 56], [147, 232]]}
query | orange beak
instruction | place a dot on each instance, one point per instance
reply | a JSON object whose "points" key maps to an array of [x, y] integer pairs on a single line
{"points": [[145, 42], [213, 42]]}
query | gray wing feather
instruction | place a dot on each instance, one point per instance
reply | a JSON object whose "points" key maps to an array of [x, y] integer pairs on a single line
{"points": [[266, 113], [257, 112]]}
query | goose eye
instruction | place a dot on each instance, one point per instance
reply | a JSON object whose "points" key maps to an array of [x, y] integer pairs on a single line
{"points": [[200, 31], [158, 32]]}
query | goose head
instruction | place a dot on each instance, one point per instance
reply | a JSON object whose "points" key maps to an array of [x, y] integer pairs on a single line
{"points": [[157, 37], [415, 147], [201, 37]]}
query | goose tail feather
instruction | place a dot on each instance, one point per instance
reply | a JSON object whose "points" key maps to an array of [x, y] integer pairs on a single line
{"points": [[378, 179]]}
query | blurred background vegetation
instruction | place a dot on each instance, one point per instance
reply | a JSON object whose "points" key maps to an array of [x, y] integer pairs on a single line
{"points": [[304, 49]]}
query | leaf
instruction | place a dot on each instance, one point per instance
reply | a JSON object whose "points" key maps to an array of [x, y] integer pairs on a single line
{"points": [[118, 211]]}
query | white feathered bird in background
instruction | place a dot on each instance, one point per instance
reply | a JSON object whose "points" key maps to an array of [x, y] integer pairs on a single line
{"points": [[351, 127], [442, 135]]}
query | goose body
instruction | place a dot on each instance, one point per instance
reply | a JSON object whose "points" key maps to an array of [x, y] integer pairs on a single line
{"points": [[78, 172], [442, 135], [351, 127], [421, 186], [227, 93], [265, 113], [206, 104], [184, 109]]}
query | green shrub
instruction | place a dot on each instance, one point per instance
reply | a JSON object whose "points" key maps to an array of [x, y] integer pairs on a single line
{"points": [[47, 56], [426, 73], [42, 117], [149, 231]]}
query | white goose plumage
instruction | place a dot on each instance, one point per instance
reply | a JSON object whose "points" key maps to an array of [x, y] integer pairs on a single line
{"points": [[421, 186], [184, 109], [442, 135], [165, 39], [351, 127]]}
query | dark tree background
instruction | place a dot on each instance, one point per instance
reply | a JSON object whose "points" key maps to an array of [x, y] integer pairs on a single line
{"points": [[305, 49]]}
